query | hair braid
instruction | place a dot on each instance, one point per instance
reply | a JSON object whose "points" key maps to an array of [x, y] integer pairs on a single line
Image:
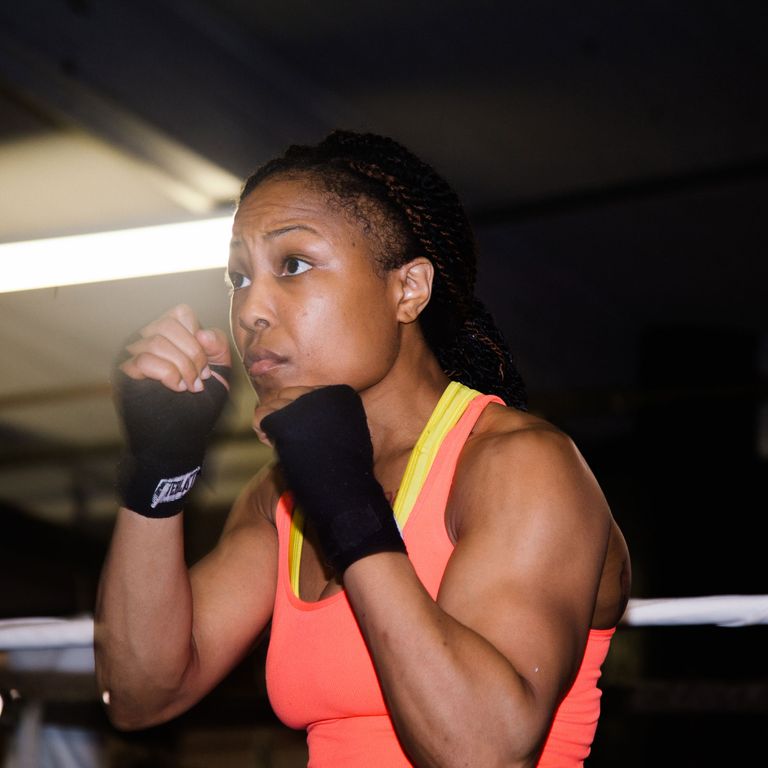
{"points": [[423, 216]]}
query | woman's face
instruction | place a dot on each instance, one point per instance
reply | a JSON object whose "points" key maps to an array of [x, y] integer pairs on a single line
{"points": [[308, 307]]}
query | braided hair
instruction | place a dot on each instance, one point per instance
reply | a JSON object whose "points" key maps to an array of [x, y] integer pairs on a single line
{"points": [[408, 210]]}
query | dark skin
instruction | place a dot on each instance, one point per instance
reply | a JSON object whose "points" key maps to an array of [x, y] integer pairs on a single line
{"points": [[538, 559]]}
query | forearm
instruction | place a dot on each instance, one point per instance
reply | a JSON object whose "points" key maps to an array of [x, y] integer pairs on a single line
{"points": [[454, 698], [143, 634]]}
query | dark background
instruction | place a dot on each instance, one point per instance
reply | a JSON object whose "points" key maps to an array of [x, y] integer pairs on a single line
{"points": [[614, 160]]}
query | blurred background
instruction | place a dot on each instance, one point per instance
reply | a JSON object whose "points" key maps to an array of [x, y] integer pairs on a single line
{"points": [[613, 158]]}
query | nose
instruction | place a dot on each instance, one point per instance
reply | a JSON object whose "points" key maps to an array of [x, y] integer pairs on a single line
{"points": [[253, 305]]}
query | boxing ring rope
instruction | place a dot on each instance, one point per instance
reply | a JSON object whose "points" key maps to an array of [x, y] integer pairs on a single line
{"points": [[36, 633], [720, 610], [55, 645]]}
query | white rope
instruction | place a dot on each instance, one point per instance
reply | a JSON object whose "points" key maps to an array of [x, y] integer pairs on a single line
{"points": [[721, 610], [36, 633]]}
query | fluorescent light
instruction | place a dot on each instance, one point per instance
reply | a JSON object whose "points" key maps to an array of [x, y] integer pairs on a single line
{"points": [[115, 255]]}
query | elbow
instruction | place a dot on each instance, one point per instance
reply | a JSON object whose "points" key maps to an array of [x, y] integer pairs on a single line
{"points": [[128, 723], [134, 705], [516, 741], [503, 748], [503, 755], [127, 714], [136, 696], [485, 757], [507, 756], [124, 718], [125, 722]]}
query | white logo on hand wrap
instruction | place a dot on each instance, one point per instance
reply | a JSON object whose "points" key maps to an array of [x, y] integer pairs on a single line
{"points": [[173, 488]]}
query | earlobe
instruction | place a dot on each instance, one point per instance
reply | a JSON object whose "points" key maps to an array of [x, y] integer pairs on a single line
{"points": [[415, 283]]}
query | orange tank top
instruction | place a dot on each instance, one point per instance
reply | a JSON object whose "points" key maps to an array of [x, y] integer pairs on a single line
{"points": [[320, 675]]}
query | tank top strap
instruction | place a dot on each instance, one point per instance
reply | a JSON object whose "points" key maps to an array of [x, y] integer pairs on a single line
{"points": [[426, 534], [452, 444], [446, 430], [454, 408]]}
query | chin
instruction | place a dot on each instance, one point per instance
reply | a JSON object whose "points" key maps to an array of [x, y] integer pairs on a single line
{"points": [[266, 391]]}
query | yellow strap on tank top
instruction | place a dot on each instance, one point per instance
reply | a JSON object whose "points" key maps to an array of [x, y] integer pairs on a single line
{"points": [[448, 411]]}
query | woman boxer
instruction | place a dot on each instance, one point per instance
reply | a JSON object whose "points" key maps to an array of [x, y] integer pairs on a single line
{"points": [[467, 625]]}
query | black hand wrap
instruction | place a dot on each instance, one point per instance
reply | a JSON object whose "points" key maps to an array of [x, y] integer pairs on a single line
{"points": [[166, 434], [325, 449]]}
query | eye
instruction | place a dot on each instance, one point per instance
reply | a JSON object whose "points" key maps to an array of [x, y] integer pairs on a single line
{"points": [[293, 265], [236, 280]]}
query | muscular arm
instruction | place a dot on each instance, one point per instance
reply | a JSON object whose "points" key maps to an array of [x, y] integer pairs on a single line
{"points": [[143, 619], [474, 678], [166, 635]]}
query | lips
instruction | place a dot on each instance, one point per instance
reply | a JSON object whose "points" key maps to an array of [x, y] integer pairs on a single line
{"points": [[259, 361]]}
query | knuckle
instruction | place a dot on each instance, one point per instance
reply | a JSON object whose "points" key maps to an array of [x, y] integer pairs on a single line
{"points": [[143, 360], [185, 315], [178, 310]]}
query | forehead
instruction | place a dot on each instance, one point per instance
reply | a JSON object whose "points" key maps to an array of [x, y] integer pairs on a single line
{"points": [[278, 203]]}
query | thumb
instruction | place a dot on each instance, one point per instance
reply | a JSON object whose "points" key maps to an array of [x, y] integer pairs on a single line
{"points": [[215, 344]]}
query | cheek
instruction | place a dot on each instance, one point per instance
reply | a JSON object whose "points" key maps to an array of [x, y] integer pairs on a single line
{"points": [[371, 336], [352, 338], [238, 333]]}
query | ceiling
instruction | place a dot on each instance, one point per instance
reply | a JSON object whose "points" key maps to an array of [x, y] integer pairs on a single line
{"points": [[613, 156]]}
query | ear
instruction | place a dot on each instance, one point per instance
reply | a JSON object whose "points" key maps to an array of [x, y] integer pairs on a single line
{"points": [[414, 282]]}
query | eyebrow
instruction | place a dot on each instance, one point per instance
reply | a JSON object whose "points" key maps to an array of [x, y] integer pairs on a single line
{"points": [[272, 234], [236, 242]]}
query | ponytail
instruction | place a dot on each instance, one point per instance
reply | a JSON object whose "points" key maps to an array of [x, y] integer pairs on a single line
{"points": [[479, 357]]}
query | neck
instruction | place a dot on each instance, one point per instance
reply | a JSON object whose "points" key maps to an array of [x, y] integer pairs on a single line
{"points": [[399, 406]]}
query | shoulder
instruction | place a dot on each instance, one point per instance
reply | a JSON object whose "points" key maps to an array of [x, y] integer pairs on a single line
{"points": [[520, 479], [500, 425], [531, 529], [519, 469], [516, 434]]}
